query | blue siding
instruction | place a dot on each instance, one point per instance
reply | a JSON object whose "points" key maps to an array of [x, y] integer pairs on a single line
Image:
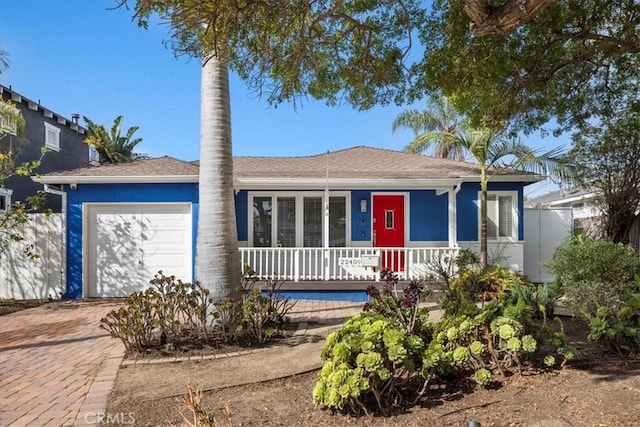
{"points": [[429, 216], [360, 221], [242, 215], [120, 193], [468, 206]]}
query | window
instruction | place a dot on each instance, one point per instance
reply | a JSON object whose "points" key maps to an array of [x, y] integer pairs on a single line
{"points": [[262, 222], [312, 227], [286, 222], [502, 219], [8, 119], [337, 222], [299, 220], [5, 199], [51, 137], [94, 157]]}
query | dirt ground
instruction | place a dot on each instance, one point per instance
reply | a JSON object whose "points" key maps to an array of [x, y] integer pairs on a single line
{"points": [[12, 305], [596, 390]]}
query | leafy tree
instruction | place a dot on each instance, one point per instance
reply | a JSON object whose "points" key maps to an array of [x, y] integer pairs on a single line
{"points": [[4, 60], [571, 60], [430, 126], [16, 215], [607, 156], [336, 51], [111, 145], [494, 152]]}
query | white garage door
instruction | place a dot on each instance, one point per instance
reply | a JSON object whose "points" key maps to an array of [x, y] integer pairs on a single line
{"points": [[128, 244]]}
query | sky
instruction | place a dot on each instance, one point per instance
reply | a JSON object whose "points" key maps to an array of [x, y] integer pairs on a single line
{"points": [[77, 56]]}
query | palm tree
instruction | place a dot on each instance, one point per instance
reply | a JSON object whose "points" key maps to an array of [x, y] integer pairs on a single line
{"points": [[430, 127], [217, 257], [495, 153], [112, 146]]}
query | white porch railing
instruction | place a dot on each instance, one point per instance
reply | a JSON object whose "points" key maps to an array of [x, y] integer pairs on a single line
{"points": [[301, 264]]}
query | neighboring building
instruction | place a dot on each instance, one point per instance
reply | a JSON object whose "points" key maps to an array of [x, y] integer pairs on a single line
{"points": [[124, 222], [581, 202], [63, 139]]}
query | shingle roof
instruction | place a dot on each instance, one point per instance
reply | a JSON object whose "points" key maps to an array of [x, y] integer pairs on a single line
{"points": [[161, 166], [558, 196], [357, 162], [352, 163]]}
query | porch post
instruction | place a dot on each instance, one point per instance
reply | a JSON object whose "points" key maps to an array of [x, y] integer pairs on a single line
{"points": [[453, 222]]}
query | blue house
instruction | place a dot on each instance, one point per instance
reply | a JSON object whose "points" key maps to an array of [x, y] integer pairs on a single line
{"points": [[338, 216]]}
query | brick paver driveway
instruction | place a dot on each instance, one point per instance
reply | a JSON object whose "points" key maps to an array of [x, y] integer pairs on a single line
{"points": [[57, 367]]}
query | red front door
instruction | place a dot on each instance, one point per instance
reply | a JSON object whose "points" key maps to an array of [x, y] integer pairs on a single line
{"points": [[388, 229]]}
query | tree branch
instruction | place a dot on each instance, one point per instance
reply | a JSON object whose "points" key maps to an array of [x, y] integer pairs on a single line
{"points": [[487, 19]]}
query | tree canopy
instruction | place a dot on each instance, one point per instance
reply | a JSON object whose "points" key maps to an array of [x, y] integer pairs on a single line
{"points": [[573, 60], [350, 50], [520, 61], [608, 163]]}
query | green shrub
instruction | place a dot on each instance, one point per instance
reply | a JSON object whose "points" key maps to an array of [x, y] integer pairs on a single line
{"points": [[262, 309], [161, 313], [171, 310], [601, 283], [583, 259], [368, 364]]}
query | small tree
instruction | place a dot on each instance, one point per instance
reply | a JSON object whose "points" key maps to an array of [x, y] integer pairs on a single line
{"points": [[111, 145], [608, 163], [494, 152], [16, 215]]}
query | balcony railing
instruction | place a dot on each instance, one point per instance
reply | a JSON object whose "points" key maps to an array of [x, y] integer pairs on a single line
{"points": [[302, 264]]}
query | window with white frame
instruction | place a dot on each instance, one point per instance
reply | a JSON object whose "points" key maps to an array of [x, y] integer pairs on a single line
{"points": [[502, 215], [94, 157], [5, 199], [8, 118], [297, 220], [51, 137]]}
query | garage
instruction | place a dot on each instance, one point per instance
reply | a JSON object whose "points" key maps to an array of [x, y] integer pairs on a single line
{"points": [[126, 244]]}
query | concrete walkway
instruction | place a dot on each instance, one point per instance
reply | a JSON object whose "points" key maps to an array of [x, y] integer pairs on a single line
{"points": [[57, 367]]}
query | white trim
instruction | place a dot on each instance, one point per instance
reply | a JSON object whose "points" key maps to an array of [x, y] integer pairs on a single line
{"points": [[407, 217], [55, 144], [452, 216], [572, 199], [514, 215], [6, 193], [299, 203], [507, 178]]}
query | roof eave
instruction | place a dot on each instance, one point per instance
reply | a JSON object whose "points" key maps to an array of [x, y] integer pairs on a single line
{"points": [[128, 179], [527, 179], [244, 183]]}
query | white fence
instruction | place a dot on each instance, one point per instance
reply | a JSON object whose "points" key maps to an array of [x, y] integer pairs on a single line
{"points": [[296, 264], [544, 230], [25, 278]]}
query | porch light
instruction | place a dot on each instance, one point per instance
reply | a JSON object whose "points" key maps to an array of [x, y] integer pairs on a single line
{"points": [[363, 205]]}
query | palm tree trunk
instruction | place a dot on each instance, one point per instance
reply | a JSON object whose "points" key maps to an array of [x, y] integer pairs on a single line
{"points": [[217, 258], [483, 217]]}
